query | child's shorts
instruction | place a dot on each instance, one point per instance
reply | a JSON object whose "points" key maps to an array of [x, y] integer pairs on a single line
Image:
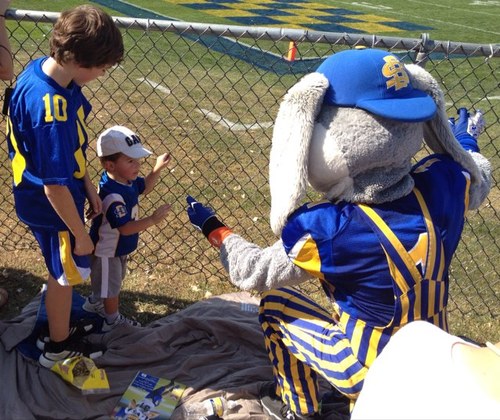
{"points": [[107, 275], [57, 249]]}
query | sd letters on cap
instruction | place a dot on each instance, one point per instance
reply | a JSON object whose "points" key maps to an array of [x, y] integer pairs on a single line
{"points": [[119, 139], [377, 82]]}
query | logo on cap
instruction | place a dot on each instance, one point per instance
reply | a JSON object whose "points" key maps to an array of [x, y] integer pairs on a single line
{"points": [[375, 81], [133, 139], [394, 70], [119, 139]]}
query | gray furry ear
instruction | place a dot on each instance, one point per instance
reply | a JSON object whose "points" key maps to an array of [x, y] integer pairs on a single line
{"points": [[437, 132], [290, 146]]}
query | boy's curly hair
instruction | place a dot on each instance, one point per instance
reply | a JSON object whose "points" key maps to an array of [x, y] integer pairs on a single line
{"points": [[87, 36]]}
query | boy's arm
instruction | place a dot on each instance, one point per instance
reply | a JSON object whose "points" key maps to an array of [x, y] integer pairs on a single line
{"points": [[154, 175], [6, 63], [63, 203], [93, 198], [136, 226]]}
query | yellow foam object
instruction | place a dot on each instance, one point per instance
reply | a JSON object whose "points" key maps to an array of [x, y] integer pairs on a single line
{"points": [[83, 373]]}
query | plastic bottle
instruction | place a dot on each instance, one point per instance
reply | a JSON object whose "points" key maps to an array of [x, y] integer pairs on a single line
{"points": [[210, 409]]}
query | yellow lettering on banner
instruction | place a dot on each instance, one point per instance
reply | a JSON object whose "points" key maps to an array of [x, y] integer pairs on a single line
{"points": [[394, 70]]}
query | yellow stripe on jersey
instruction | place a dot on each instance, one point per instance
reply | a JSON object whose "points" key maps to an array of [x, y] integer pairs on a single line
{"points": [[467, 190], [432, 245], [409, 263], [70, 269], [18, 161], [372, 352], [424, 166], [441, 264], [305, 254], [79, 156]]}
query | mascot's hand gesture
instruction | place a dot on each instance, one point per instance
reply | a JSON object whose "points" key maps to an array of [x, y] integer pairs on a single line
{"points": [[467, 129], [203, 218]]}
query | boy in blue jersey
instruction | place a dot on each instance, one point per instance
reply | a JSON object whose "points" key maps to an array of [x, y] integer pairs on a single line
{"points": [[115, 232], [47, 140]]}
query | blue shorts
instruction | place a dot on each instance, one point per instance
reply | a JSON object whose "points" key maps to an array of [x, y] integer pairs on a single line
{"points": [[57, 249]]}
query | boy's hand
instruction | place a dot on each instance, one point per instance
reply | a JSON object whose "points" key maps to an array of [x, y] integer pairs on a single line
{"points": [[151, 180], [95, 207], [162, 161], [160, 213], [83, 245], [4, 5]]}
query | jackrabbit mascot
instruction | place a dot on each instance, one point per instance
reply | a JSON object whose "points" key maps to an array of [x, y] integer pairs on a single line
{"points": [[382, 239]]}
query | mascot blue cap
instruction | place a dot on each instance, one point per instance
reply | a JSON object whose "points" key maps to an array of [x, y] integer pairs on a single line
{"points": [[377, 82]]}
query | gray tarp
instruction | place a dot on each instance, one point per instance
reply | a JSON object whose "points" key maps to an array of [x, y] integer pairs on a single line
{"points": [[214, 346]]}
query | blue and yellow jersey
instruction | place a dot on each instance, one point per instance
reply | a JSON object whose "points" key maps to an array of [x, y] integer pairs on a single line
{"points": [[47, 141], [120, 205], [337, 243]]}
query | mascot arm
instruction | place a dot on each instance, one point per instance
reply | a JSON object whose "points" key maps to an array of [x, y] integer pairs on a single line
{"points": [[467, 130], [203, 218], [251, 267]]}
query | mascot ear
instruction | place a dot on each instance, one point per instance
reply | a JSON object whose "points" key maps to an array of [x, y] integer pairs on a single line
{"points": [[437, 132], [288, 162]]}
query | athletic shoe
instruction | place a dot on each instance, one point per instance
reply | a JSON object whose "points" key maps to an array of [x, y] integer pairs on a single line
{"points": [[275, 408], [96, 307], [335, 406], [77, 330], [120, 320], [72, 348]]}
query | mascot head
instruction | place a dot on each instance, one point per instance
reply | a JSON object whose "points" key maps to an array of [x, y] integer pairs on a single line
{"points": [[351, 129]]}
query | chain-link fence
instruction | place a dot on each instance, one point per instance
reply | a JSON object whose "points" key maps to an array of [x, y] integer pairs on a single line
{"points": [[209, 95]]}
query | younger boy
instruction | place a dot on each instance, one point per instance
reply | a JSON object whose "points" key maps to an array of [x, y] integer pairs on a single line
{"points": [[47, 140], [115, 232]]}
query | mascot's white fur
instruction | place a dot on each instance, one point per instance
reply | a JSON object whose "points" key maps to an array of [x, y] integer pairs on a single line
{"points": [[382, 240]]}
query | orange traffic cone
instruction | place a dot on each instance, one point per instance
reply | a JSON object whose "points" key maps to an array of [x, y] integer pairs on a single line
{"points": [[292, 51]]}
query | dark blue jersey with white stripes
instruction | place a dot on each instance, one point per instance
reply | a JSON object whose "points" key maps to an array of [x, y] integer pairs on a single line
{"points": [[120, 204]]}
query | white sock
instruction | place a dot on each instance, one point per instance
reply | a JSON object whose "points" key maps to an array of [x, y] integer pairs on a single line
{"points": [[110, 318]]}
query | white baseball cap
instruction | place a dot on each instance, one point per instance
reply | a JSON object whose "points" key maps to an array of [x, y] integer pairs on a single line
{"points": [[119, 139]]}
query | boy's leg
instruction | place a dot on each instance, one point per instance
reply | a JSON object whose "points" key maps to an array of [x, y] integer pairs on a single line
{"points": [[107, 277], [58, 301], [111, 306], [65, 270]]}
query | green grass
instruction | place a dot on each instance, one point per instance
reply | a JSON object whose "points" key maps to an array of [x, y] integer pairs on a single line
{"points": [[453, 20]]}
